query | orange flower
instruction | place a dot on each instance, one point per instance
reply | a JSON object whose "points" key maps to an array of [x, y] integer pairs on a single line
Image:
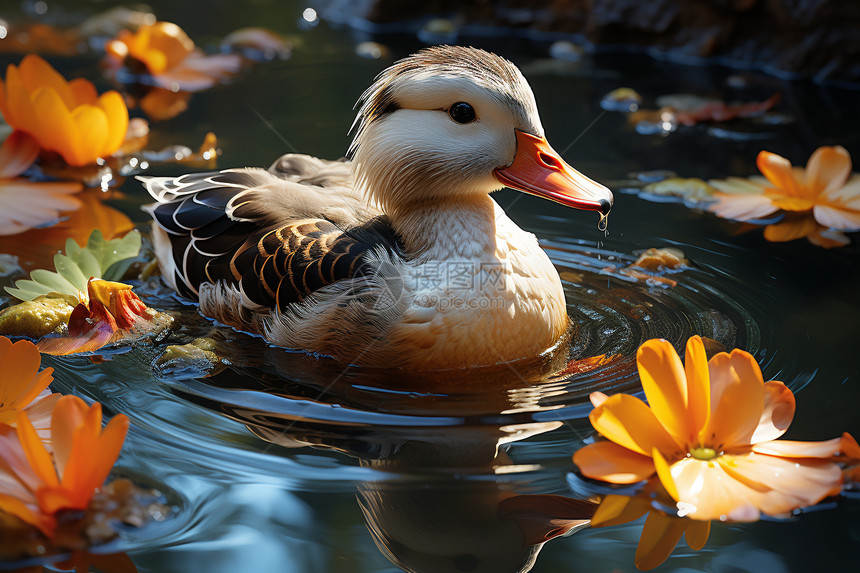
{"points": [[24, 388], [67, 117], [35, 485], [25, 204], [661, 531], [108, 313], [821, 201], [710, 435], [165, 52]]}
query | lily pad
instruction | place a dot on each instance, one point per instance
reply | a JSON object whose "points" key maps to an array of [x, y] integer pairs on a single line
{"points": [[106, 259]]}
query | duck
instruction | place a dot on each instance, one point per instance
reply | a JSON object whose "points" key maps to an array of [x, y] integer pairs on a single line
{"points": [[397, 255]]}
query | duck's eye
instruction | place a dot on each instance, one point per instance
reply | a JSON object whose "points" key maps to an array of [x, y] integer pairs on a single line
{"points": [[461, 112]]}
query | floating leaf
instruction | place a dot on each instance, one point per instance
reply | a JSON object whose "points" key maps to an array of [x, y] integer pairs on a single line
{"points": [[107, 259]]}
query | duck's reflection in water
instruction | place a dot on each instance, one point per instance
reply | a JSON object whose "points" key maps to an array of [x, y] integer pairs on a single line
{"points": [[446, 500], [447, 495]]}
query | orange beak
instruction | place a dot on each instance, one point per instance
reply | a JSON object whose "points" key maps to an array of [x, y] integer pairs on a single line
{"points": [[538, 170]]}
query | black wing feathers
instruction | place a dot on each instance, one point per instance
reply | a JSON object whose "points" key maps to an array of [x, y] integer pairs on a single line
{"points": [[274, 265]]}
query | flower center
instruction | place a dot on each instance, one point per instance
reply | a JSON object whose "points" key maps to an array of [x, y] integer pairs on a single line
{"points": [[703, 453]]}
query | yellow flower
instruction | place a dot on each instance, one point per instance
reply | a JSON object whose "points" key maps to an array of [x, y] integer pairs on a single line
{"points": [[165, 52], [24, 388], [661, 531], [34, 484], [821, 201], [67, 117], [26, 204], [710, 435]]}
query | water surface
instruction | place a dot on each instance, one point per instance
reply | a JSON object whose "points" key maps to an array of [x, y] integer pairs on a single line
{"points": [[288, 462]]}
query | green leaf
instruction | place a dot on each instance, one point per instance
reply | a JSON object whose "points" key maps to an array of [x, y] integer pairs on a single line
{"points": [[100, 259]]}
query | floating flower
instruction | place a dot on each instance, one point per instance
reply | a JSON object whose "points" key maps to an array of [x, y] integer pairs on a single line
{"points": [[710, 435], [26, 204], [165, 54], [67, 117], [661, 531], [37, 247], [34, 484], [257, 44], [821, 202], [687, 109], [110, 312], [24, 388]]}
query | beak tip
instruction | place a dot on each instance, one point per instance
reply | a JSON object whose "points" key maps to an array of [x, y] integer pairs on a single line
{"points": [[605, 207]]}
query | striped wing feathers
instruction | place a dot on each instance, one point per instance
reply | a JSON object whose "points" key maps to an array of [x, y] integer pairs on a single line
{"points": [[219, 230]]}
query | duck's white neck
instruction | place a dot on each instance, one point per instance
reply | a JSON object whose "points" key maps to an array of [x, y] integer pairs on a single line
{"points": [[462, 228]]}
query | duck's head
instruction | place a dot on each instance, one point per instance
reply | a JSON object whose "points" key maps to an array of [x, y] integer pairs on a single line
{"points": [[450, 122]]}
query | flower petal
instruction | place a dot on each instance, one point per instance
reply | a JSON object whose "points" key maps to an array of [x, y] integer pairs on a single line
{"points": [[28, 204], [665, 475], [795, 449], [597, 398], [17, 153], [21, 113], [660, 535], [828, 238], [742, 207], [17, 476], [618, 509], [39, 413], [37, 455], [91, 125], [737, 400], [790, 229], [94, 452], [69, 413], [698, 384], [665, 385], [739, 185], [628, 422], [84, 92], [778, 486], [610, 462], [53, 499], [789, 203], [57, 129], [710, 493], [76, 479], [828, 169], [37, 73], [836, 218], [25, 513], [697, 533], [847, 196], [849, 447], [778, 171], [22, 381], [116, 112], [779, 406]]}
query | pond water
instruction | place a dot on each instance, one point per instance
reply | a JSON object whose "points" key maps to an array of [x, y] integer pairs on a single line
{"points": [[287, 462]]}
